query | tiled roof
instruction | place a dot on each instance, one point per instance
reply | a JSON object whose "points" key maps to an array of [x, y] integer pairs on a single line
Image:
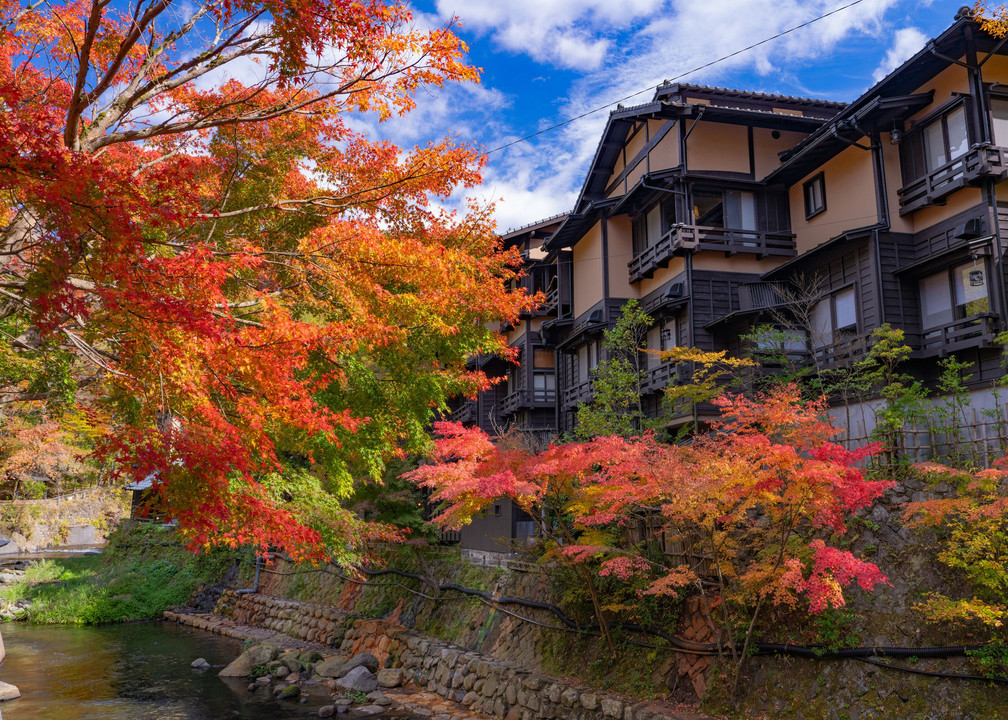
{"points": [[750, 95]]}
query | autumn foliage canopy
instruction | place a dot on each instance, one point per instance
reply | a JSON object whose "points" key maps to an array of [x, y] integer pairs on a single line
{"points": [[197, 245]]}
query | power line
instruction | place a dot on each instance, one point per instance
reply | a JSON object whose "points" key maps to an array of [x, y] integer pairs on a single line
{"points": [[677, 77]]}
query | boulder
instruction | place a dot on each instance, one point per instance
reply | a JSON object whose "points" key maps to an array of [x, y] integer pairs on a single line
{"points": [[327, 711], [331, 667], [252, 658], [8, 691], [359, 679], [390, 677], [289, 693], [199, 664], [366, 660]]}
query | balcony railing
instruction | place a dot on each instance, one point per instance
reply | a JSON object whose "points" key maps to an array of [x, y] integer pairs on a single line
{"points": [[659, 377], [525, 399], [576, 394], [466, 412], [975, 331], [843, 351], [691, 238], [980, 161]]}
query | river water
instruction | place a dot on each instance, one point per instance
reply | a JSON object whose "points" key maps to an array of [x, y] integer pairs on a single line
{"points": [[136, 671]]}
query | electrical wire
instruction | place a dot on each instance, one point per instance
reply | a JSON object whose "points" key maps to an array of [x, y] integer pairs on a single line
{"points": [[681, 75]]}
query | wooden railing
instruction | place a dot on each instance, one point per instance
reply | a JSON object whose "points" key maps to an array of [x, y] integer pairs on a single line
{"points": [[578, 393], [525, 399], [466, 412], [980, 161], [975, 331], [691, 238]]}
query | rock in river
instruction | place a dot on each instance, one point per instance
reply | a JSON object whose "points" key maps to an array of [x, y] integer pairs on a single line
{"points": [[360, 679]]}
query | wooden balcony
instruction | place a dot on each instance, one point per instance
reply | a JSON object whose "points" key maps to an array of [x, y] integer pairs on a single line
{"points": [[979, 162], [842, 351], [975, 331], [466, 412], [692, 238], [525, 399], [577, 394], [659, 377]]}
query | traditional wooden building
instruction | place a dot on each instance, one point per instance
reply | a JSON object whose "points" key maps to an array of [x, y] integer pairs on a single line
{"points": [[721, 210]]}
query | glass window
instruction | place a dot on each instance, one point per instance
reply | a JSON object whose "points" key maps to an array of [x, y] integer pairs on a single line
{"points": [[739, 210], [999, 120], [543, 385], [934, 145], [708, 208], [815, 196], [936, 301], [958, 137], [654, 228], [582, 364], [845, 305], [822, 324], [970, 283], [654, 343]]}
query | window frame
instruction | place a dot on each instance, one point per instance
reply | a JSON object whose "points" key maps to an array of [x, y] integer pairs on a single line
{"points": [[914, 143], [831, 298], [958, 309], [820, 179]]}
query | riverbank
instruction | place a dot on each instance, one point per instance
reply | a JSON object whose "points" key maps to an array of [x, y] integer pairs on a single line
{"points": [[142, 571], [479, 684]]}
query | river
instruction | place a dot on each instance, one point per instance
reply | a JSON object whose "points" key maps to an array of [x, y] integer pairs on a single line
{"points": [[135, 671]]}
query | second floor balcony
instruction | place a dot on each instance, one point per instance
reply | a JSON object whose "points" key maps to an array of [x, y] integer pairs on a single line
{"points": [[984, 160], [466, 412], [691, 238], [978, 330], [526, 399]]}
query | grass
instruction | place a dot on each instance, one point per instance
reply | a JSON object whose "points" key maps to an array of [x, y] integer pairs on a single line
{"points": [[140, 575]]}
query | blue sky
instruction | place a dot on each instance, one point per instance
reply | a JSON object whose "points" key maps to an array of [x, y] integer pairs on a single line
{"points": [[546, 61]]}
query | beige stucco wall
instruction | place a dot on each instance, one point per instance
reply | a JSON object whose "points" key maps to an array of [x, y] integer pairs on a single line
{"points": [[951, 80], [765, 149], [665, 154], [587, 263], [955, 203], [661, 276], [741, 263], [850, 199], [620, 241], [717, 146]]}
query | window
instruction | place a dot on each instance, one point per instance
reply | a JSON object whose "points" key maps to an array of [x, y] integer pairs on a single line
{"points": [[649, 228], [999, 120], [957, 293], [731, 209], [835, 317], [935, 144], [588, 358], [815, 196], [660, 337], [543, 386], [543, 358]]}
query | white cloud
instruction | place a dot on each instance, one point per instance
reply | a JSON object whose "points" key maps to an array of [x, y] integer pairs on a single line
{"points": [[573, 34], [905, 44]]}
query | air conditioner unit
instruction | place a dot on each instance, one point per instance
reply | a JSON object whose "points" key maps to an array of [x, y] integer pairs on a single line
{"points": [[596, 317]]}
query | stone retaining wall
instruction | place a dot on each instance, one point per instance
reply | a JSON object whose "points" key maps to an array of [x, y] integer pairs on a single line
{"points": [[487, 685]]}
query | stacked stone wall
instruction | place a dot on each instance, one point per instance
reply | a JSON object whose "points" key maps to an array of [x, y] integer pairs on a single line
{"points": [[498, 688]]}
